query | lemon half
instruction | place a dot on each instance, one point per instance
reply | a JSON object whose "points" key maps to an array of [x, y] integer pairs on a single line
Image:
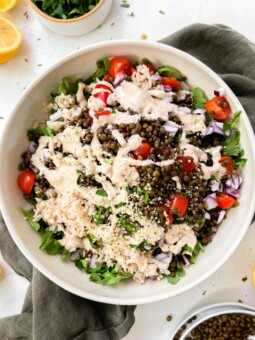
{"points": [[6, 5], [10, 40]]}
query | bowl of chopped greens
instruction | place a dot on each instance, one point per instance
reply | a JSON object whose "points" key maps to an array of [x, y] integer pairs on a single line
{"points": [[71, 18], [128, 172]]}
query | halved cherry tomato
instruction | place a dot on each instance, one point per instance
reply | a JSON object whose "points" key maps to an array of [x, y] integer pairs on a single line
{"points": [[167, 212], [173, 82], [180, 203], [225, 201], [130, 70], [188, 163], [103, 113], [144, 150], [106, 76], [118, 64], [26, 181], [228, 163], [151, 68], [219, 108], [102, 95]]}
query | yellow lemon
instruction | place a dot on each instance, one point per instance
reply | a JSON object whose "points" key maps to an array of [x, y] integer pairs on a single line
{"points": [[253, 277], [6, 5], [10, 40]]}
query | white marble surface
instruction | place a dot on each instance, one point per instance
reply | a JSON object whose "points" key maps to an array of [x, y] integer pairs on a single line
{"points": [[41, 48]]}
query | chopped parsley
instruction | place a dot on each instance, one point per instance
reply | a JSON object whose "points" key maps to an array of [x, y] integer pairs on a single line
{"points": [[91, 238], [161, 12], [127, 225], [143, 244], [102, 193], [125, 5]]}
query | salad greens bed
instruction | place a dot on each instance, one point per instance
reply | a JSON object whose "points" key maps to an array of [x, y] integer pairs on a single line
{"points": [[50, 241]]}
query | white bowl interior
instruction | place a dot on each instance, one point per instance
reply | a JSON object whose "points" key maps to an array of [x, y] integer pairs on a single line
{"points": [[28, 108]]}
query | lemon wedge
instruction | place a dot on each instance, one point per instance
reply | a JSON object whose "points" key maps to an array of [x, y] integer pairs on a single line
{"points": [[6, 5], [10, 40]]}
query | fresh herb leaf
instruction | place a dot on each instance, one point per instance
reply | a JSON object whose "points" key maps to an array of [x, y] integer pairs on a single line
{"points": [[128, 190], [198, 248], [91, 238], [173, 279], [143, 244], [139, 191], [234, 121], [50, 244], [126, 224], [146, 197], [161, 12], [120, 205], [65, 254], [103, 63], [67, 86], [199, 98], [29, 216], [231, 146], [79, 175], [102, 215], [108, 161], [30, 199], [34, 134], [146, 61], [180, 271], [102, 193], [125, 5], [65, 9], [170, 72], [188, 249]]}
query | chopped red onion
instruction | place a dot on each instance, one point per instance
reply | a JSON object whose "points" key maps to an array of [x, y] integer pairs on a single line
{"points": [[220, 92], [32, 147], [184, 109], [184, 86], [161, 242], [93, 263], [171, 128], [211, 202], [164, 257], [215, 127], [185, 261], [167, 88], [55, 116], [214, 185], [232, 192], [221, 216], [234, 182], [207, 216], [119, 78], [155, 77]]}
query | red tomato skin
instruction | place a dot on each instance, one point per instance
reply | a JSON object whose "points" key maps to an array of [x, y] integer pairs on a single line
{"points": [[179, 202], [169, 81], [228, 163], [219, 112], [118, 64], [167, 212], [102, 95], [103, 113], [188, 163], [144, 150], [225, 201], [103, 86], [151, 68], [130, 70], [26, 181]]}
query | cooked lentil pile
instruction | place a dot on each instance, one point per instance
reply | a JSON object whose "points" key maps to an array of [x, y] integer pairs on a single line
{"points": [[226, 326], [132, 174]]}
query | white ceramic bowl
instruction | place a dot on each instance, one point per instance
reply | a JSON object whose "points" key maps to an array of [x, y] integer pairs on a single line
{"points": [[207, 312], [76, 26], [81, 64]]}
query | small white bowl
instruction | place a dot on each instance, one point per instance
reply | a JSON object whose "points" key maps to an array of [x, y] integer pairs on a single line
{"points": [[207, 312], [76, 26]]}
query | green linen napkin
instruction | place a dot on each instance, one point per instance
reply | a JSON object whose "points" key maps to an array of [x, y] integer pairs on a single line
{"points": [[51, 313]]}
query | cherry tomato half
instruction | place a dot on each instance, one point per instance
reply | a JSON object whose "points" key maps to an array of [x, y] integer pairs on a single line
{"points": [[173, 82], [228, 163], [102, 95], [225, 201], [219, 108], [167, 213], [103, 86], [151, 68], [118, 64], [144, 150], [179, 203], [103, 113], [188, 163], [130, 70], [26, 181]]}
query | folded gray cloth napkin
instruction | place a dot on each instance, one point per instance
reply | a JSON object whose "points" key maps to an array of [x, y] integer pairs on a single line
{"points": [[49, 312]]}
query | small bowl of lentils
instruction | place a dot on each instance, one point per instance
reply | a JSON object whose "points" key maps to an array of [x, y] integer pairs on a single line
{"points": [[230, 321]]}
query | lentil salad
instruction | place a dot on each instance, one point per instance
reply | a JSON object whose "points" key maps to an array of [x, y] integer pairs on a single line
{"points": [[132, 172]]}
